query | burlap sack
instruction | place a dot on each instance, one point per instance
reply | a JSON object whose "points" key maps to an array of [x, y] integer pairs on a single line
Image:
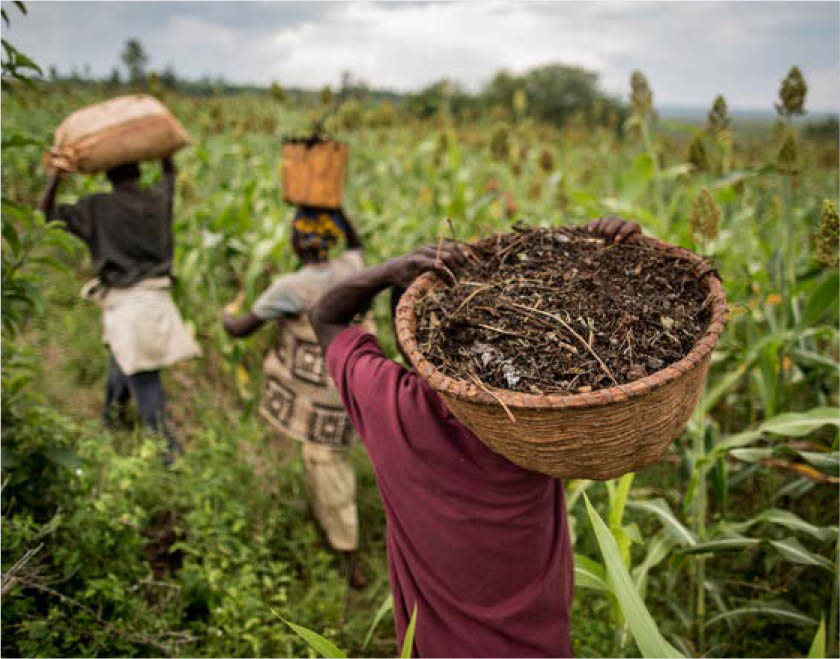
{"points": [[124, 129]]}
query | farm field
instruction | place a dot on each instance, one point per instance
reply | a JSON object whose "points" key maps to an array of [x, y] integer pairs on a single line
{"points": [[731, 540]]}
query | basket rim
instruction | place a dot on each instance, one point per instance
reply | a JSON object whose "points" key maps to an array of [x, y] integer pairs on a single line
{"points": [[406, 322]]}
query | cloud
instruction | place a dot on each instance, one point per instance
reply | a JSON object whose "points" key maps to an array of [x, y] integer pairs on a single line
{"points": [[690, 51]]}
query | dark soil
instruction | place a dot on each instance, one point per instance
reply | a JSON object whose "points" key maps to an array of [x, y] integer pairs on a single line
{"points": [[561, 311]]}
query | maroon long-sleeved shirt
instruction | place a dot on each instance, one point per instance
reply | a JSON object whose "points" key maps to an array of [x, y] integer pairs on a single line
{"points": [[479, 544]]}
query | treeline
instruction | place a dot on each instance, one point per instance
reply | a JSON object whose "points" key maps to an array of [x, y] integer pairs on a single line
{"points": [[553, 93]]}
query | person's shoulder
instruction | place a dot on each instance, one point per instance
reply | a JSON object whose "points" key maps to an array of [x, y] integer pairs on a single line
{"points": [[351, 260], [94, 200]]}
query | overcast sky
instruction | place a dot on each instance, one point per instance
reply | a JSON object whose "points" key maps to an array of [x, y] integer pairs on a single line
{"points": [[690, 51]]}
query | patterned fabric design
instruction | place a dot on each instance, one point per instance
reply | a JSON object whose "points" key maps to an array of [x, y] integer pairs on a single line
{"points": [[308, 362], [280, 400], [329, 425]]}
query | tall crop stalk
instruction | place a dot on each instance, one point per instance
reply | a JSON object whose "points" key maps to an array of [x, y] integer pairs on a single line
{"points": [[700, 504]]}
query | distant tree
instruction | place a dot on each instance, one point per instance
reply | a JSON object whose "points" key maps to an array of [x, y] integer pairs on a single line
{"points": [[326, 95], [556, 92], [114, 79], [553, 93], [277, 92], [134, 58], [53, 73], [169, 78]]}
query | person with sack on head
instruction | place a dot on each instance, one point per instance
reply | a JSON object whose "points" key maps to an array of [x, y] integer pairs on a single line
{"points": [[300, 400], [128, 232]]}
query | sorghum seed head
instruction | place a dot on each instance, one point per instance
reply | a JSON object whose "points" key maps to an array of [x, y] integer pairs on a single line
{"points": [[705, 215], [792, 94], [697, 154], [718, 118], [827, 236], [641, 97]]}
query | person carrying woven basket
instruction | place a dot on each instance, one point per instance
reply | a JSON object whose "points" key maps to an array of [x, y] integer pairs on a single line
{"points": [[128, 232], [300, 400], [479, 545]]}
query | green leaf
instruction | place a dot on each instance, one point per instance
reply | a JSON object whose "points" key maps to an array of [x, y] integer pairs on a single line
{"points": [[64, 458], [726, 543], [820, 301], [793, 551], [817, 650], [658, 550], [387, 605], [317, 642], [790, 521], [650, 641], [775, 609], [797, 424], [589, 574], [17, 140], [408, 641], [672, 525]]}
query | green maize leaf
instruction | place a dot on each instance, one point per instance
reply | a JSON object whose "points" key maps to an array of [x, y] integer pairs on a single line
{"points": [[726, 543], [815, 359], [791, 424], [658, 550], [590, 574], [386, 606], [672, 525], [775, 609], [642, 626], [408, 641], [618, 492], [751, 454], [317, 642], [817, 650], [797, 424], [793, 550], [787, 519], [821, 300]]}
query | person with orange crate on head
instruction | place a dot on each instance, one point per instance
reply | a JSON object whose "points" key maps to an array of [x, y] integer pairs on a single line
{"points": [[300, 401]]}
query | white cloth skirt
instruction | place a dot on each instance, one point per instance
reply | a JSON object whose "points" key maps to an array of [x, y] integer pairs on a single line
{"points": [[141, 325]]}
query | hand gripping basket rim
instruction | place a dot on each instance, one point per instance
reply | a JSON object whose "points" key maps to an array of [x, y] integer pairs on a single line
{"points": [[406, 322]]}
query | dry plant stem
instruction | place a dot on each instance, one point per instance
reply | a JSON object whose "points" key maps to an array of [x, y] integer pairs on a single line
{"points": [[571, 331], [10, 578], [481, 386]]}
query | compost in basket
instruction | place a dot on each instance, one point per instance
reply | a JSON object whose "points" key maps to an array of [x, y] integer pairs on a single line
{"points": [[560, 311]]}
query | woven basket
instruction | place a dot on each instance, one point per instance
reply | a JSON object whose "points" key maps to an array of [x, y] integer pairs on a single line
{"points": [[598, 435], [314, 173]]}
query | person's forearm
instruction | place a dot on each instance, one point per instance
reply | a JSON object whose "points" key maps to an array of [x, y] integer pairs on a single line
{"points": [[241, 326], [337, 307], [46, 204]]}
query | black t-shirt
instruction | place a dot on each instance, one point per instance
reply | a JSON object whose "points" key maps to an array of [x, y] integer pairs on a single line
{"points": [[128, 231]]}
